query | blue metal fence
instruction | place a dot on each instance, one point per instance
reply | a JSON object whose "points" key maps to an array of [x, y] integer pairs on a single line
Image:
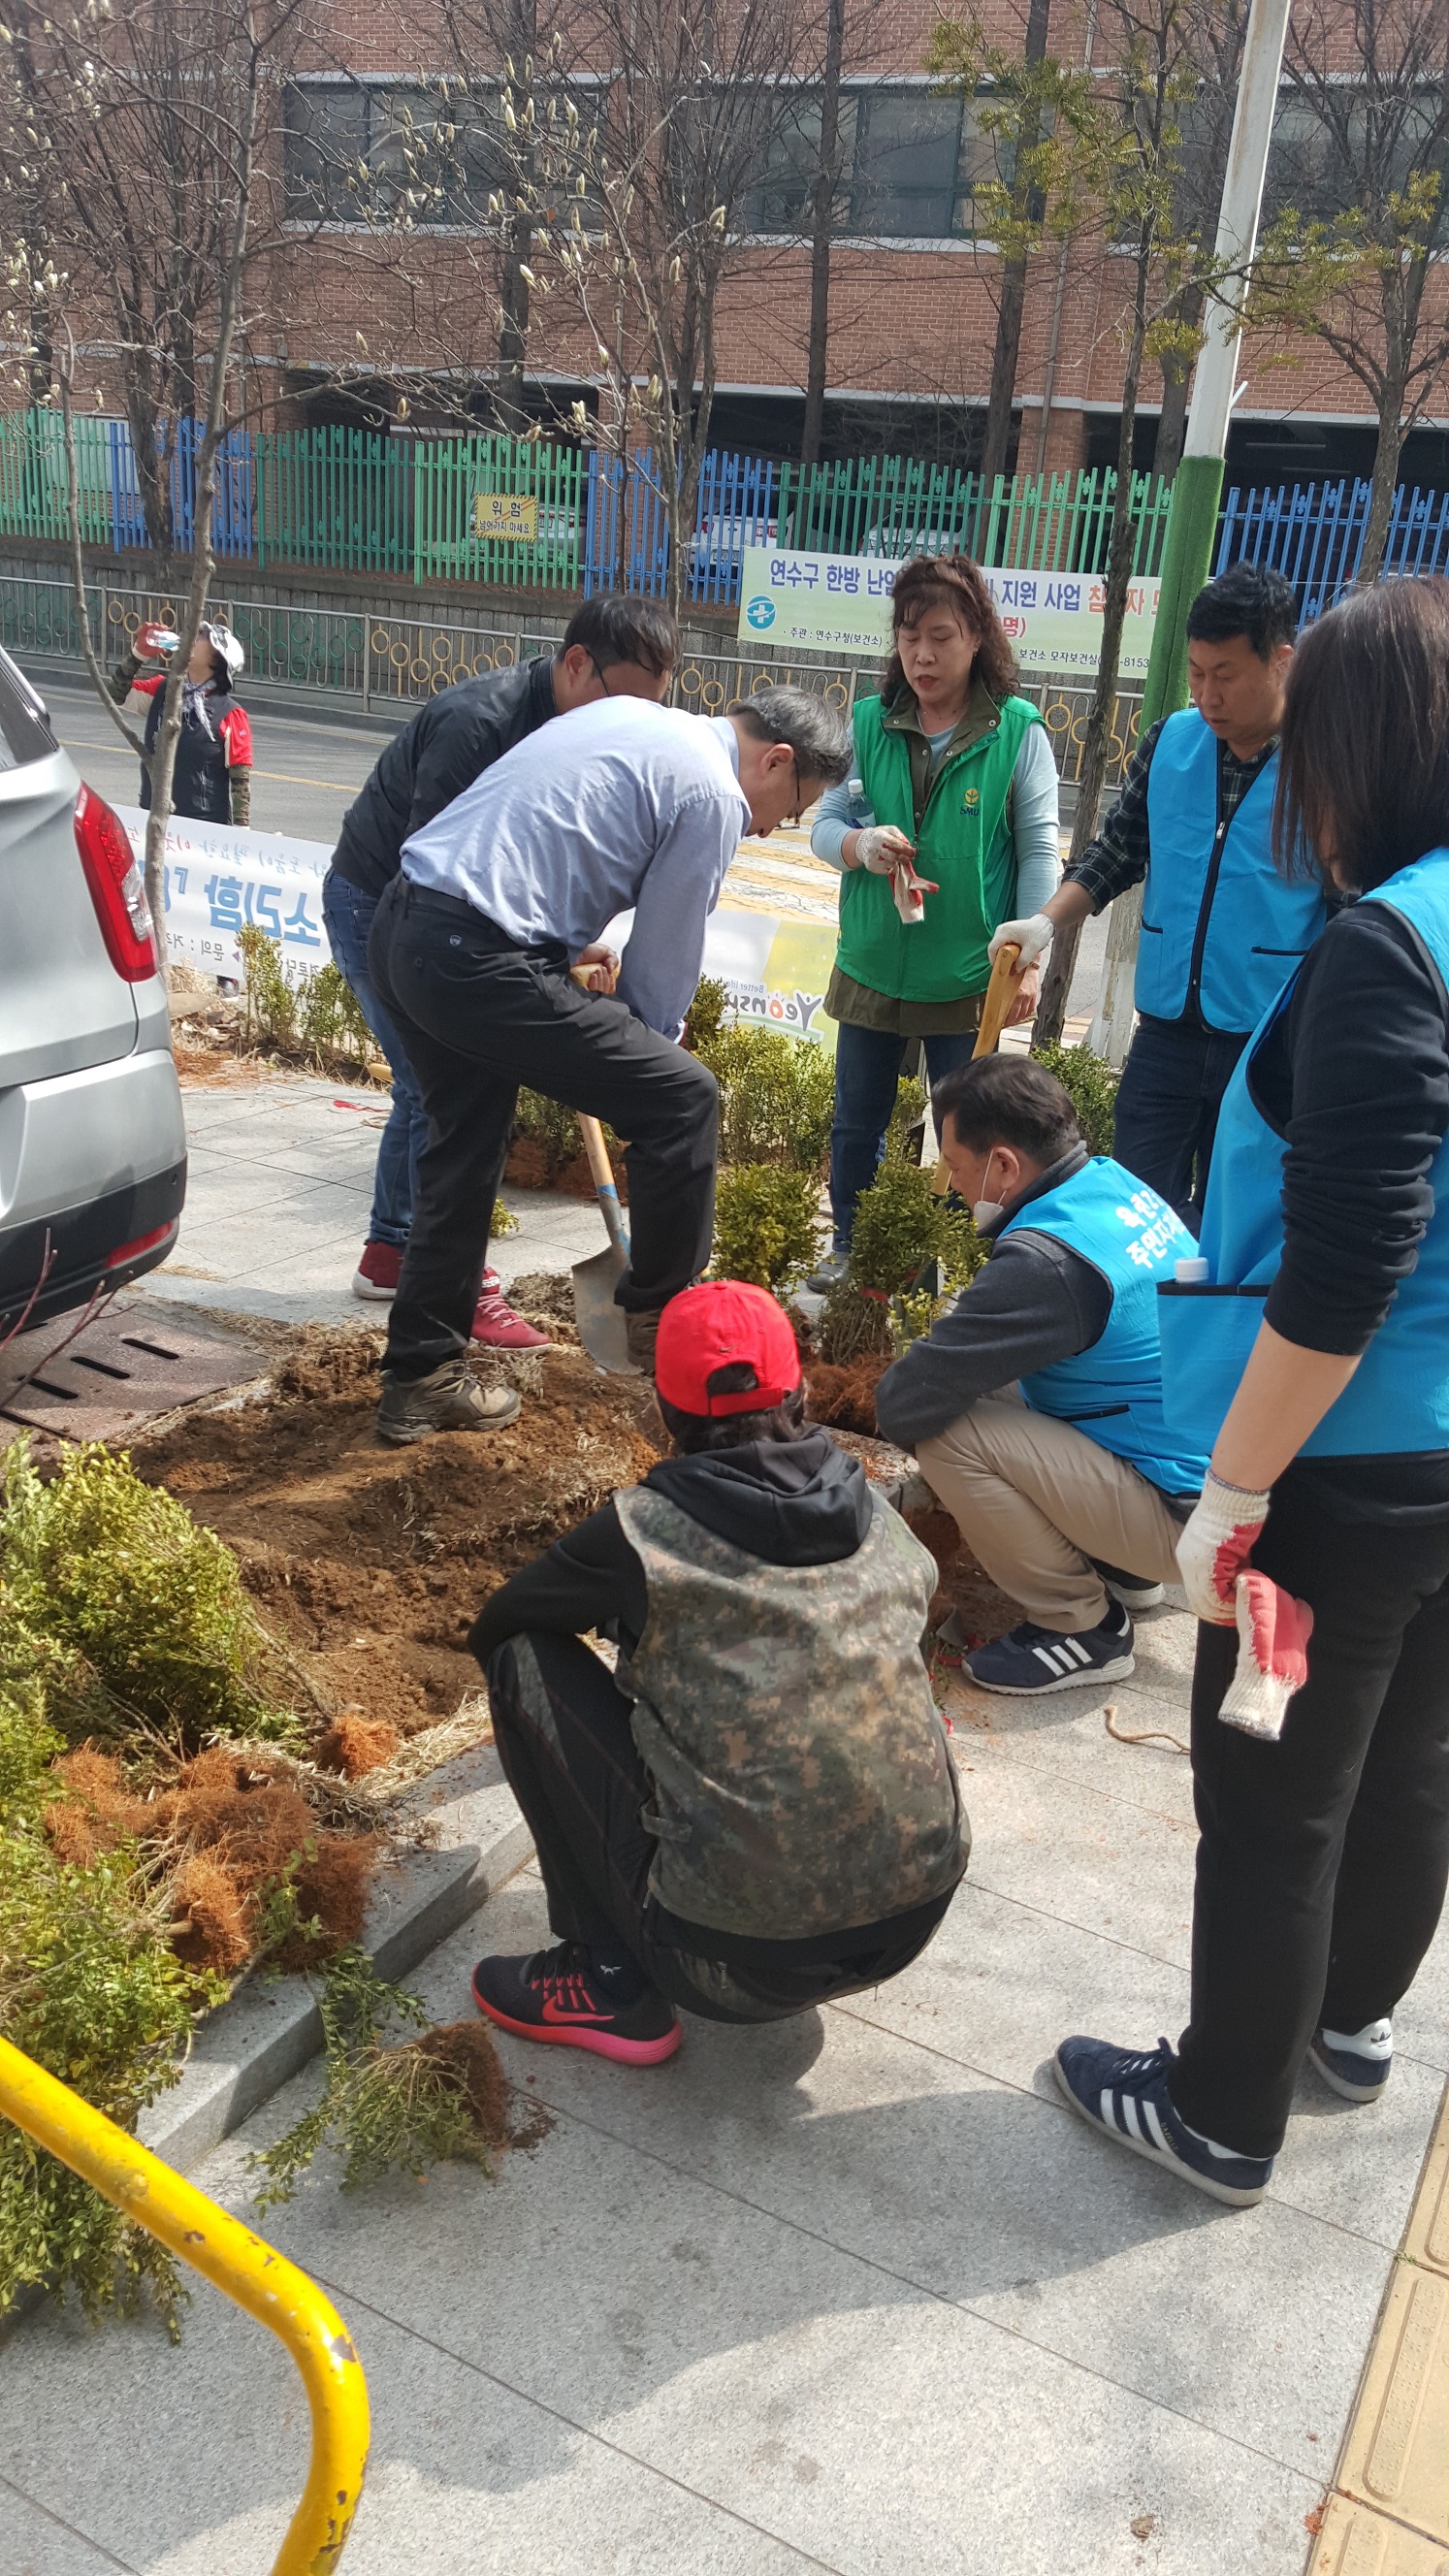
{"points": [[1313, 534]]}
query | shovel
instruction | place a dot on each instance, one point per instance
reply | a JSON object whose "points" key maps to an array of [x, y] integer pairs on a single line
{"points": [[603, 1329], [993, 1020]]}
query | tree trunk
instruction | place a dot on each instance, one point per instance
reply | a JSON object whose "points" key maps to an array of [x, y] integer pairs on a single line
{"points": [[513, 332], [1176, 384], [1056, 983], [822, 234], [1027, 202], [1387, 451]]}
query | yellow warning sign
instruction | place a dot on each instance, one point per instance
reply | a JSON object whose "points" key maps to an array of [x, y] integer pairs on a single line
{"points": [[509, 516]]}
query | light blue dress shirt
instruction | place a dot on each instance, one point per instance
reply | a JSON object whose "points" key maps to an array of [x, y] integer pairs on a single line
{"points": [[614, 807]]}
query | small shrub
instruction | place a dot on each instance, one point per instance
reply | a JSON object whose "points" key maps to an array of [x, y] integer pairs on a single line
{"points": [[765, 1225], [329, 1020], [1092, 1083], [706, 1015], [271, 1002], [386, 2109], [901, 1229], [142, 1611], [555, 1128], [910, 1105], [777, 1098]]}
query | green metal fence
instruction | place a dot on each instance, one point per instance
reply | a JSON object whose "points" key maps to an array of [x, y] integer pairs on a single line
{"points": [[894, 505], [502, 510], [340, 497]]}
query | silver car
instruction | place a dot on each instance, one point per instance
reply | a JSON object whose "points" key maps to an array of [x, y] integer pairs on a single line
{"points": [[92, 1144]]}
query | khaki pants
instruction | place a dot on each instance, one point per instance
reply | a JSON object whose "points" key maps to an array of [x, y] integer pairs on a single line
{"points": [[1034, 1499]]}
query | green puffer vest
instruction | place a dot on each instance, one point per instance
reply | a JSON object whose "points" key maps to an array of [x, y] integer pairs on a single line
{"points": [[802, 1783], [944, 956]]}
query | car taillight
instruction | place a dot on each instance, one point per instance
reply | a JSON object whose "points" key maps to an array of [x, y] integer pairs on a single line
{"points": [[118, 889]]}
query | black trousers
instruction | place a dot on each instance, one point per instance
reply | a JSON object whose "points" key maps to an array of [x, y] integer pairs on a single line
{"points": [[478, 1016], [1167, 1108], [1323, 1858], [564, 1739]]}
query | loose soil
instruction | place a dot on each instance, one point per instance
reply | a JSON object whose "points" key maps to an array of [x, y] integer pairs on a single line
{"points": [[371, 1564]]}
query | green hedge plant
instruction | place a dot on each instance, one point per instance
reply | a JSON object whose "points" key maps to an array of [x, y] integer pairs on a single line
{"points": [[1092, 1085], [766, 1225]]}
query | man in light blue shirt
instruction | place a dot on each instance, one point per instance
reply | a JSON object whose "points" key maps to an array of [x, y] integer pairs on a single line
{"points": [[618, 806]]}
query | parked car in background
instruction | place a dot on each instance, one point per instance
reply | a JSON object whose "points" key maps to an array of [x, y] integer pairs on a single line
{"points": [[92, 1143]]}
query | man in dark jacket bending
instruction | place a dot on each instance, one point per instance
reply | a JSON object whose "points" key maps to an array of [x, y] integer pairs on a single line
{"points": [[613, 647], [760, 1812]]}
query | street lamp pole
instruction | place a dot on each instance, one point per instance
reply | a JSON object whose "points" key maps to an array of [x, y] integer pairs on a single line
{"points": [[1197, 486]]}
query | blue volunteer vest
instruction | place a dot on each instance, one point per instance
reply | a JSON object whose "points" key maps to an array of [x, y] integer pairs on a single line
{"points": [[1113, 1392], [1216, 915], [1398, 1397]]}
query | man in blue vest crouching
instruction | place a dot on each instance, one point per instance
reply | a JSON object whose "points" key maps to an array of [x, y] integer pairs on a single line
{"points": [[1034, 1404], [1222, 928]]}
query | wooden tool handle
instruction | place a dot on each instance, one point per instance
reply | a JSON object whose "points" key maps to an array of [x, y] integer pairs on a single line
{"points": [[994, 1008], [1000, 993], [600, 1167]]}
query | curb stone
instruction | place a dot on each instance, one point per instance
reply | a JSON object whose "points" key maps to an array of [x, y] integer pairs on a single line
{"points": [[252, 2045]]}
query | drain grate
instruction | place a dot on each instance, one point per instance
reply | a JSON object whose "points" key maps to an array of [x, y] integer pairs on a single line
{"points": [[125, 1369]]}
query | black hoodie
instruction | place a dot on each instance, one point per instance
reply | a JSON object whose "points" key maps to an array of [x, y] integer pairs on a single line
{"points": [[792, 1502]]}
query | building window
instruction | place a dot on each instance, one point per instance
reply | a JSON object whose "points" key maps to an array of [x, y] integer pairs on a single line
{"points": [[909, 165], [365, 152]]}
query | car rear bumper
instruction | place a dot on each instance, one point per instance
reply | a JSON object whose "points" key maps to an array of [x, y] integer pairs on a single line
{"points": [[92, 1164]]}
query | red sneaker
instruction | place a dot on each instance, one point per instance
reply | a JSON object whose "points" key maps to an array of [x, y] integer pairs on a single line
{"points": [[378, 1272], [495, 1323], [554, 1996]]}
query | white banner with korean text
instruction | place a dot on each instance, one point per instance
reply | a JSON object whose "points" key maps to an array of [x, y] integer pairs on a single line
{"points": [[809, 603]]}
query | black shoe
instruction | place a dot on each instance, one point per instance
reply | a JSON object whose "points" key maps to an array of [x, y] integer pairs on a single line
{"points": [[1033, 1660], [1134, 1591], [555, 1996]]}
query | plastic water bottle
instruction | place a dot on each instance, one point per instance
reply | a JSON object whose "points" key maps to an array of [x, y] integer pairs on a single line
{"points": [[1191, 1274]]}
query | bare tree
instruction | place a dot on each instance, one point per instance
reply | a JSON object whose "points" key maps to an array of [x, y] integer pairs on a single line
{"points": [[1016, 100], [1355, 256], [154, 115]]}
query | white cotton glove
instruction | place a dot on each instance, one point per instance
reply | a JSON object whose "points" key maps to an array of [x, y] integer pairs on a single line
{"points": [[1215, 1546], [1031, 937], [880, 848]]}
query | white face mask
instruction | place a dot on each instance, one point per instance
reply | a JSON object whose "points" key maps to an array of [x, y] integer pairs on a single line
{"points": [[987, 1212]]}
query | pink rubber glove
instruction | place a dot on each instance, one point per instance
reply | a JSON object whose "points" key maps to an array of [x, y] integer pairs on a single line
{"points": [[1273, 1632]]}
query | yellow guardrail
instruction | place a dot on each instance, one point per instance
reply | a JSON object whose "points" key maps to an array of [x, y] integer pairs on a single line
{"points": [[241, 2265]]}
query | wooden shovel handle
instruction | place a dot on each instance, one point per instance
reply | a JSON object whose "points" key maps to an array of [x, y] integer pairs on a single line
{"points": [[999, 995], [994, 1008], [597, 1151]]}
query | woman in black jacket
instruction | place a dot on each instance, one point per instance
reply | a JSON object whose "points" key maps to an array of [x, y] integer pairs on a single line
{"points": [[1319, 1348], [212, 782]]}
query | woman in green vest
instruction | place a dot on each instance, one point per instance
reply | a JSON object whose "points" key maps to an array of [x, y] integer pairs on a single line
{"points": [[954, 771]]}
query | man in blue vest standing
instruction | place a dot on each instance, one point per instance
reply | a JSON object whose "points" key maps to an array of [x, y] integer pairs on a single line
{"points": [[1222, 928], [1034, 1405]]}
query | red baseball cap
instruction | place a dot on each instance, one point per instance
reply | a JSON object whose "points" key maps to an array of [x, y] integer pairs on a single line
{"points": [[707, 1328]]}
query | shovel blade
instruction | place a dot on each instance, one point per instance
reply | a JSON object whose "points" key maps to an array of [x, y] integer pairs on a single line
{"points": [[603, 1329]]}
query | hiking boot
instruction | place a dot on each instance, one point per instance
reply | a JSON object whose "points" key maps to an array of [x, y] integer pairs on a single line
{"points": [[1124, 2093], [1032, 1660], [497, 1326], [1134, 1591], [641, 1333], [378, 1272], [557, 1996], [447, 1399], [829, 1275], [1355, 2064]]}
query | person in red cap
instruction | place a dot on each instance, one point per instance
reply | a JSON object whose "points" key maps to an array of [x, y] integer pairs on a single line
{"points": [[758, 1811]]}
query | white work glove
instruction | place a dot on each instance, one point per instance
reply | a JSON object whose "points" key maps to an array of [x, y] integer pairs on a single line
{"points": [[1215, 1547], [880, 848], [1031, 937]]}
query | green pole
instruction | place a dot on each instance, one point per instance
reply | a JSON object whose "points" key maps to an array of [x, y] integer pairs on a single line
{"points": [[1187, 562]]}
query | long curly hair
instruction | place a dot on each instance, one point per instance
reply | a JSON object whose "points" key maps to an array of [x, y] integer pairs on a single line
{"points": [[955, 582]]}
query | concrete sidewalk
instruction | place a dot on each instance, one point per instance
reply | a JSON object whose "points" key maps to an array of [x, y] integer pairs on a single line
{"points": [[853, 2293]]}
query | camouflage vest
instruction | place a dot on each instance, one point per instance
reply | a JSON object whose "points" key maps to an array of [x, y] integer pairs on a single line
{"points": [[802, 1782]]}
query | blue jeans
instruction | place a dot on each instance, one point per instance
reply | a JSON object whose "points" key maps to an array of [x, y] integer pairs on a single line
{"points": [[867, 1070], [348, 916], [1167, 1108]]}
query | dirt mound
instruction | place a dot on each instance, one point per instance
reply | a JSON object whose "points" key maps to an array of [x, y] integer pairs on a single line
{"points": [[371, 1564], [545, 1299]]}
